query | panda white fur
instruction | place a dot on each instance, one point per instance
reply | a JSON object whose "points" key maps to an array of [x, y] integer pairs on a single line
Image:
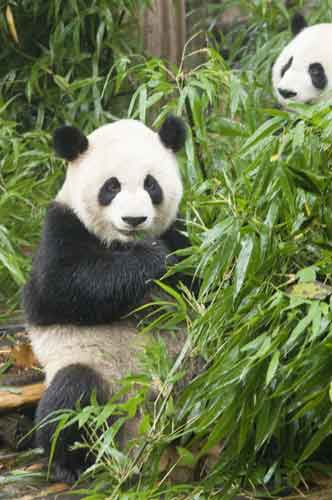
{"points": [[90, 270], [303, 70]]}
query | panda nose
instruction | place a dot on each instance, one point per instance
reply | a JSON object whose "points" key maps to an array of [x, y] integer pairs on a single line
{"points": [[134, 221], [287, 93]]}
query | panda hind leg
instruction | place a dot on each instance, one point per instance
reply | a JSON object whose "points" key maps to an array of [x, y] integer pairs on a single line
{"points": [[73, 383]]}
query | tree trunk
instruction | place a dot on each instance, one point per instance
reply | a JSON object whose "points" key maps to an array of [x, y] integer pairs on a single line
{"points": [[164, 29]]}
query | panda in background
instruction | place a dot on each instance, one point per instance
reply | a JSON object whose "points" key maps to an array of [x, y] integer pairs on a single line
{"points": [[91, 270], [303, 70]]}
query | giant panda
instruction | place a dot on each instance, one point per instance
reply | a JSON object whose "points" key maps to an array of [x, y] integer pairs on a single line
{"points": [[106, 237], [303, 70]]}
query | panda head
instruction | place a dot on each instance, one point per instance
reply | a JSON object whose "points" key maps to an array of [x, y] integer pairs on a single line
{"points": [[303, 70], [122, 179]]}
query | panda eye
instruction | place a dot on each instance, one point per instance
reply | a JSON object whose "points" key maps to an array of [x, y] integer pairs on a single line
{"points": [[113, 184], [286, 67], [318, 76], [153, 188], [108, 191], [314, 71], [150, 182]]}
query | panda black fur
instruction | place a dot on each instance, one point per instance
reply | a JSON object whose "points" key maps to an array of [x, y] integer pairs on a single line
{"points": [[303, 70], [90, 270]]}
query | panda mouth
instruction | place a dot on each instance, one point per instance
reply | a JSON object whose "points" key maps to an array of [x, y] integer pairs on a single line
{"points": [[131, 232], [127, 232], [132, 235]]}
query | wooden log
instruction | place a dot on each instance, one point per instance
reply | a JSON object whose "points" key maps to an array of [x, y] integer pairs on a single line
{"points": [[29, 394], [28, 377]]}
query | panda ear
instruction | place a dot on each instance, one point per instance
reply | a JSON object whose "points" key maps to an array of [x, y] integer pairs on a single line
{"points": [[69, 142], [173, 133], [298, 23]]}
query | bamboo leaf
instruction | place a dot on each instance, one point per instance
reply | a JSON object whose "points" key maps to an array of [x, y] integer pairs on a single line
{"points": [[247, 245], [273, 366]]}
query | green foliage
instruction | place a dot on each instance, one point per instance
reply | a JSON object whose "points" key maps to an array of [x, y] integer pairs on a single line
{"points": [[258, 203]]}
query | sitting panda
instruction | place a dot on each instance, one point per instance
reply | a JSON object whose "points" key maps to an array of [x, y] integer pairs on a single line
{"points": [[91, 270], [303, 70]]}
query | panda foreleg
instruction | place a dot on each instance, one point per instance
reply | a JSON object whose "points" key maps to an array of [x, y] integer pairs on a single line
{"points": [[72, 384]]}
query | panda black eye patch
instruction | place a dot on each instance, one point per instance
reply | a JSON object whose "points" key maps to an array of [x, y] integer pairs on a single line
{"points": [[152, 186], [318, 76], [286, 67], [108, 191]]}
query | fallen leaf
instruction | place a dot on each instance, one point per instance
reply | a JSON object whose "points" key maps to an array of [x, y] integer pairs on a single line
{"points": [[34, 467], [23, 356], [311, 290], [11, 23], [54, 488], [7, 463]]}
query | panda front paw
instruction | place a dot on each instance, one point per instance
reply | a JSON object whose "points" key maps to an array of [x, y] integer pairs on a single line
{"points": [[171, 260], [154, 257], [162, 259]]}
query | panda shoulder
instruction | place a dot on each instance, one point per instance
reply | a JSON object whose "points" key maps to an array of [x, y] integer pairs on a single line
{"points": [[61, 225]]}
